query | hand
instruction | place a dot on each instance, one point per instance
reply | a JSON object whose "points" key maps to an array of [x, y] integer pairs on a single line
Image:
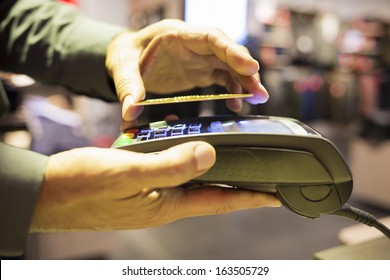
{"points": [[107, 189], [172, 56]]}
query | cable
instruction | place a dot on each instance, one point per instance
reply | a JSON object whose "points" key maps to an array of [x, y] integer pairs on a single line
{"points": [[362, 217]]}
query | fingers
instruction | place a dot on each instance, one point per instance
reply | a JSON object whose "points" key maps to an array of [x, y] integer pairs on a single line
{"points": [[206, 41], [235, 105], [239, 84], [129, 111], [215, 200], [242, 66], [129, 87], [92, 173], [241, 72], [259, 97], [223, 78], [125, 53], [251, 84], [128, 124]]}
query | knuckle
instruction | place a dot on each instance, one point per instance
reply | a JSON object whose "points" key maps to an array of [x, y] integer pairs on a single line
{"points": [[216, 32], [121, 86]]}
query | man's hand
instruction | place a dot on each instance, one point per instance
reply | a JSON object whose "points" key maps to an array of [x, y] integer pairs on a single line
{"points": [[107, 189], [172, 56]]}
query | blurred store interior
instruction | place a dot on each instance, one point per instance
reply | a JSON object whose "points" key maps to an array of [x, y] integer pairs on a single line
{"points": [[324, 62]]}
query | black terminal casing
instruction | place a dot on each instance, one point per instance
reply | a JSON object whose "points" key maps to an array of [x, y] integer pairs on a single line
{"points": [[303, 168]]}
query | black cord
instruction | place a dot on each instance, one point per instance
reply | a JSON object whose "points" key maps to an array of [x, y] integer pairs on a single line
{"points": [[362, 217]]}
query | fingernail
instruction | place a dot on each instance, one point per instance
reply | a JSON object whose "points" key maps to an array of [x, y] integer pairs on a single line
{"points": [[127, 103], [129, 100], [258, 65], [259, 97], [130, 112], [263, 88], [205, 157]]}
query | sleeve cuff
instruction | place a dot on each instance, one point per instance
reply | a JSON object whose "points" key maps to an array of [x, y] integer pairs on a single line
{"points": [[22, 173]]}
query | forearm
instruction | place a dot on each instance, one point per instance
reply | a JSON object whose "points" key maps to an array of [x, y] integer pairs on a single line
{"points": [[22, 173], [55, 43]]}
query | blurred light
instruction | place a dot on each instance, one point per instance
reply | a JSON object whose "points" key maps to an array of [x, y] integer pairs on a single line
{"points": [[363, 64], [312, 83], [229, 16], [268, 55], [265, 11], [353, 41], [329, 27], [71, 2], [291, 73], [337, 89], [305, 44], [19, 80], [316, 83]]}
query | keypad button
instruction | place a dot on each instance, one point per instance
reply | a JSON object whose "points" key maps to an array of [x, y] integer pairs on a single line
{"points": [[179, 126], [165, 127], [142, 138], [177, 132], [128, 135], [195, 125], [144, 135], [193, 130], [160, 133], [131, 131]]}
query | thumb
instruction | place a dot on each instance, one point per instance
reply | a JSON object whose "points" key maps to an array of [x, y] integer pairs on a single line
{"points": [[122, 63], [129, 87], [174, 166]]}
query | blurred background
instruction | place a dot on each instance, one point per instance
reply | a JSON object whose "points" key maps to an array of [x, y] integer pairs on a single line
{"points": [[324, 62]]}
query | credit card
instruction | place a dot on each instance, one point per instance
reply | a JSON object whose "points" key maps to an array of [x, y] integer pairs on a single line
{"points": [[191, 98]]}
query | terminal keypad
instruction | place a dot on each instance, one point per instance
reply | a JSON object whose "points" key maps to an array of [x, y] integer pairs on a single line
{"points": [[180, 129]]}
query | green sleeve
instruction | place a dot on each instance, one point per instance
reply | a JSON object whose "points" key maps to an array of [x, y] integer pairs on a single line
{"points": [[21, 173], [55, 43], [52, 43]]}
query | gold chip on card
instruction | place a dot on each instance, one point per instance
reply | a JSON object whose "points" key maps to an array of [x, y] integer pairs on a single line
{"points": [[191, 98]]}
